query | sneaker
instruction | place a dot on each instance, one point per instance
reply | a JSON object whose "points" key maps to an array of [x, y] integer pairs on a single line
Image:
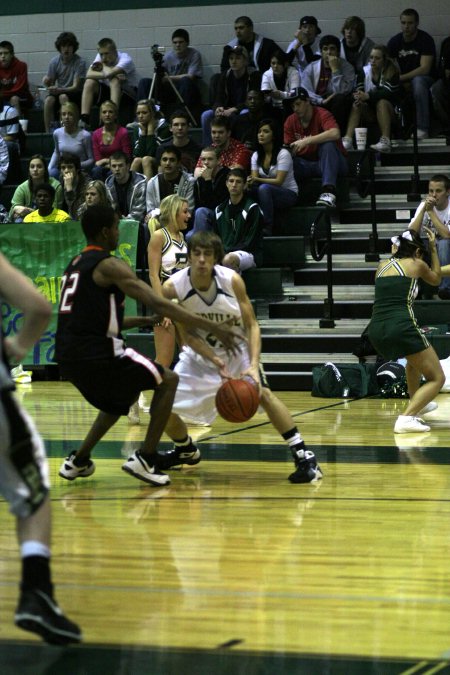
{"points": [[444, 293], [347, 142], [406, 424], [307, 470], [70, 471], [428, 408], [327, 199], [21, 376], [133, 414], [421, 134], [383, 145], [138, 467], [38, 612], [189, 455]]}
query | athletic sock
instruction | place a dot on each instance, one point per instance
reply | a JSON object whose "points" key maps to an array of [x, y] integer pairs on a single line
{"points": [[295, 442], [36, 574], [81, 461], [185, 442]]}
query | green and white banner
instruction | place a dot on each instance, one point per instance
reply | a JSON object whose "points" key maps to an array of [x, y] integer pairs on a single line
{"points": [[42, 252]]}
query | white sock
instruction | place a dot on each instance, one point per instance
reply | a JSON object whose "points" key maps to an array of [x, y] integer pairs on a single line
{"points": [[33, 547]]}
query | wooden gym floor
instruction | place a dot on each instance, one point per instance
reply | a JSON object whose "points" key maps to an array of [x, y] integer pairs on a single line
{"points": [[231, 569]]}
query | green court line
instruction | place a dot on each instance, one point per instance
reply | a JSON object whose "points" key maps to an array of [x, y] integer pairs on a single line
{"points": [[34, 659], [251, 452]]}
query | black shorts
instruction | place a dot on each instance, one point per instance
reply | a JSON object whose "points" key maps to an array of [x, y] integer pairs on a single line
{"points": [[113, 385]]}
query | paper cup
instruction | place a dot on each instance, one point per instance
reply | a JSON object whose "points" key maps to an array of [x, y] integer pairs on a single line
{"points": [[361, 137], [24, 125]]}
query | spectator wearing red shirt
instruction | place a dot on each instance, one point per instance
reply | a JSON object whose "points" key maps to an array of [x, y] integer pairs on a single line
{"points": [[233, 153], [313, 135], [14, 78]]}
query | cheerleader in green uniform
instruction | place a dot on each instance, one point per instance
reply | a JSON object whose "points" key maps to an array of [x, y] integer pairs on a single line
{"points": [[393, 328]]}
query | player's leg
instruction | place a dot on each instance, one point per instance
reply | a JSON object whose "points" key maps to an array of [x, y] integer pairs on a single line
{"points": [[184, 450], [307, 470], [24, 484]]}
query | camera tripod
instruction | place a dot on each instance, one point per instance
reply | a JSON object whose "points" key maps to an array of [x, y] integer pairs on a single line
{"points": [[158, 75]]}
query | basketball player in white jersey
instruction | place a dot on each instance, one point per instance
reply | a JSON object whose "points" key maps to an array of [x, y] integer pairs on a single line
{"points": [[218, 293]]}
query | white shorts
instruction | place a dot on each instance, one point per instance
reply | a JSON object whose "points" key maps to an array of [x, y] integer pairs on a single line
{"points": [[195, 400], [246, 260], [24, 476]]}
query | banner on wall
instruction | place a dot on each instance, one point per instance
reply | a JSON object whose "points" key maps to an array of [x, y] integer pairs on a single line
{"points": [[42, 252]]}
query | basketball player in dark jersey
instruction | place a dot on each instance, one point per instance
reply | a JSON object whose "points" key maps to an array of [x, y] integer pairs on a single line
{"points": [[24, 471], [92, 355]]}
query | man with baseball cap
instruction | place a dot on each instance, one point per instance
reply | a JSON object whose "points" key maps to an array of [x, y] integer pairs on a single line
{"points": [[313, 135], [306, 43]]}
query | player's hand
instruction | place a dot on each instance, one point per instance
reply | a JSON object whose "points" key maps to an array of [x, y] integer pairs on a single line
{"points": [[252, 373], [222, 367], [430, 203], [228, 336]]}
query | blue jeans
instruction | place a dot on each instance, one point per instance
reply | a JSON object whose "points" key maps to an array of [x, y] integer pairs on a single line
{"points": [[331, 164], [203, 221], [443, 249], [270, 197], [420, 86]]}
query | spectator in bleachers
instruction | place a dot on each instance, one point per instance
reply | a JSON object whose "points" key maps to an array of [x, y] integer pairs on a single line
{"points": [[259, 48], [355, 46], [10, 130], [64, 77], [245, 126], [233, 153], [305, 46], [238, 222], [209, 190], [330, 80], [14, 78], [190, 150], [95, 194], [272, 179], [111, 76], [440, 91], [126, 188], [45, 211], [4, 160], [182, 68], [70, 139], [107, 139], [74, 182], [22, 202], [434, 212], [148, 134], [377, 93], [415, 52], [232, 89], [171, 180], [313, 135], [278, 82]]}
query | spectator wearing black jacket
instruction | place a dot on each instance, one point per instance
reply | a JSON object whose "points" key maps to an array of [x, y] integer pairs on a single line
{"points": [[210, 190]]}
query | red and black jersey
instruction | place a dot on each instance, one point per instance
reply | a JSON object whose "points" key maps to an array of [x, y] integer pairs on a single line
{"points": [[89, 317]]}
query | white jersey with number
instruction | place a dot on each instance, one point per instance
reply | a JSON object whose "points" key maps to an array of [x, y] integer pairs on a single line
{"points": [[199, 378]]}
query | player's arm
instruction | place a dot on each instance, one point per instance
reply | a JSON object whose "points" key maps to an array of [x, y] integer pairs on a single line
{"points": [[431, 275], [18, 290], [251, 327], [114, 272], [416, 222]]}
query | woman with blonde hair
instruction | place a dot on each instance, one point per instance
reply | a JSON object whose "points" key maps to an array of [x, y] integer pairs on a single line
{"points": [[95, 194], [377, 93], [107, 139], [149, 132], [167, 253]]}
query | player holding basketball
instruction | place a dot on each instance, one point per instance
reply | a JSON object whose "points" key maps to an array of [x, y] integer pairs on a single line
{"points": [[91, 353], [208, 289]]}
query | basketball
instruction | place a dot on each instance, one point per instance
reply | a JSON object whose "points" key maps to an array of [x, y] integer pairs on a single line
{"points": [[237, 400]]}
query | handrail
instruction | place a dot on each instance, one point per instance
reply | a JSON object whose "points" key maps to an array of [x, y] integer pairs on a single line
{"points": [[369, 156], [326, 249]]}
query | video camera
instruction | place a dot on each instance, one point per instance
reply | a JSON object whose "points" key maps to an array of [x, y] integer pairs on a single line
{"points": [[157, 55]]}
